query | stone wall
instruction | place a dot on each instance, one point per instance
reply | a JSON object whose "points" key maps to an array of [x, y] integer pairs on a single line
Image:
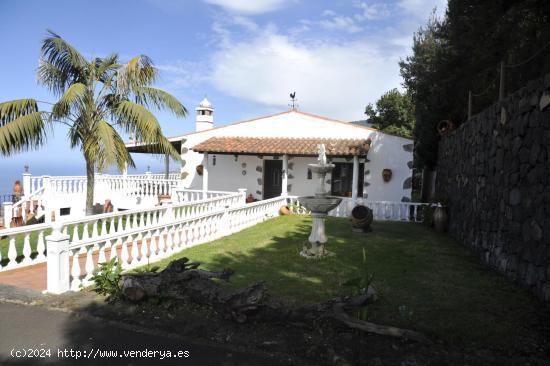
{"points": [[494, 174]]}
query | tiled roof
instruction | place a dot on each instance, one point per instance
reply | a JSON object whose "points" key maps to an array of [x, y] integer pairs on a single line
{"points": [[283, 145]]}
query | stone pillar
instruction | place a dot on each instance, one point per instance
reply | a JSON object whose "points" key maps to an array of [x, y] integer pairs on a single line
{"points": [[205, 174], [355, 178], [58, 274], [8, 214], [284, 189]]}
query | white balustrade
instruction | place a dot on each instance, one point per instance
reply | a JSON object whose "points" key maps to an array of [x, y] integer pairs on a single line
{"points": [[25, 246]]}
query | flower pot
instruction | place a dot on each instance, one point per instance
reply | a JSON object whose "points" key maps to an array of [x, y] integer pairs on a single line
{"points": [[200, 169], [440, 219], [386, 175], [284, 210]]}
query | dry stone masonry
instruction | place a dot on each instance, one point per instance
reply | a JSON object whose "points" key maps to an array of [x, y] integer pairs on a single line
{"points": [[494, 174]]}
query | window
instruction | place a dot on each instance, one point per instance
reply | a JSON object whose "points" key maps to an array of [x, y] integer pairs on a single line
{"points": [[342, 178]]}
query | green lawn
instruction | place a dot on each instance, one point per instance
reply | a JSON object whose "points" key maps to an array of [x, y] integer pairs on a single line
{"points": [[444, 289]]}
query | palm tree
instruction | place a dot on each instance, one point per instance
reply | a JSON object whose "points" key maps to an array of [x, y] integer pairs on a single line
{"points": [[97, 99]]}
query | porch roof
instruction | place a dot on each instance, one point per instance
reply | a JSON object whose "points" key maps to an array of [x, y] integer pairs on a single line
{"points": [[283, 145]]}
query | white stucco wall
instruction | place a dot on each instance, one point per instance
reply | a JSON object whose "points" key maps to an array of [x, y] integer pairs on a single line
{"points": [[386, 151]]}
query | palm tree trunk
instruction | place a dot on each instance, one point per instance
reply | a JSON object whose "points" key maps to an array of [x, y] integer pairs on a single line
{"points": [[89, 188]]}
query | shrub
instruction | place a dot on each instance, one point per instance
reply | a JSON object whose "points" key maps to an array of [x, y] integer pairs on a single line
{"points": [[106, 278]]}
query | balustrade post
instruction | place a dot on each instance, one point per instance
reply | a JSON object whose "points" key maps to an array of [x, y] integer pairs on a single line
{"points": [[27, 190], [224, 223], [58, 274], [168, 216], [242, 192], [8, 214]]}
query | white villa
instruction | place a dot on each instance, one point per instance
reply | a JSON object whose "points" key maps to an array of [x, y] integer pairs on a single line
{"points": [[224, 168], [269, 156]]}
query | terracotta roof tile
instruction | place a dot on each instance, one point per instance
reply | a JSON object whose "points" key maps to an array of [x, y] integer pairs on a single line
{"points": [[282, 145]]}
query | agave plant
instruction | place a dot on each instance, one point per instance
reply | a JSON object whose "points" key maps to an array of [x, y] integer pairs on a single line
{"points": [[97, 99]]}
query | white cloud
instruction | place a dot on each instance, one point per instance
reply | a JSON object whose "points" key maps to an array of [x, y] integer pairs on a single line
{"points": [[334, 79], [371, 11], [340, 23], [423, 8], [249, 6]]}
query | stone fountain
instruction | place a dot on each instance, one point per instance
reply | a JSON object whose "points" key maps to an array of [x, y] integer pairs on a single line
{"points": [[319, 205]]}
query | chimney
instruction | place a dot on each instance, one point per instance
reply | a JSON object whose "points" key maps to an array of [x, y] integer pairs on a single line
{"points": [[205, 116]]}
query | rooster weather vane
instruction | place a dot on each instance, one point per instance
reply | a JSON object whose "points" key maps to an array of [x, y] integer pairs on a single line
{"points": [[293, 101]]}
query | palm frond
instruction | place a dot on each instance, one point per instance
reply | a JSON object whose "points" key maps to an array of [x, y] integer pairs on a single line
{"points": [[154, 97], [105, 147], [135, 118], [60, 55], [139, 71], [13, 109], [24, 133], [73, 97]]}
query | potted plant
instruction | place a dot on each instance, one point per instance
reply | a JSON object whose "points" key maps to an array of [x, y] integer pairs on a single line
{"points": [[440, 217]]}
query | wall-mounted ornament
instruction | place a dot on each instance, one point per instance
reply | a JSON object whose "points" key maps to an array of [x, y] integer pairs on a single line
{"points": [[243, 165], [244, 172], [183, 175], [386, 175], [200, 169], [184, 150], [183, 162]]}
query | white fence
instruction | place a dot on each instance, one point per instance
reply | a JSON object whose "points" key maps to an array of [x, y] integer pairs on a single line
{"points": [[382, 210], [98, 227]]}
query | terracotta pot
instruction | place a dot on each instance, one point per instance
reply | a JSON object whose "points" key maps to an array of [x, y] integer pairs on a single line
{"points": [[108, 206], [386, 175], [440, 219], [17, 189], [284, 210], [200, 169], [249, 198]]}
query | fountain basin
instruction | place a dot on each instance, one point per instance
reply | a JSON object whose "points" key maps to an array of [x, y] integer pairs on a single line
{"points": [[320, 204], [321, 169]]}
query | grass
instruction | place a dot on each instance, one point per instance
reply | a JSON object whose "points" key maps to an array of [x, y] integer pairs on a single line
{"points": [[425, 280]]}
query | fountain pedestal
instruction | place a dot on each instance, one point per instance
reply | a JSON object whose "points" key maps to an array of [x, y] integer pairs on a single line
{"points": [[319, 205]]}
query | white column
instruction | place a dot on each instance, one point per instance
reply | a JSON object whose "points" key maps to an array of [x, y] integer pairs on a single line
{"points": [[355, 178], [205, 174], [284, 183], [8, 214], [26, 184], [58, 274]]}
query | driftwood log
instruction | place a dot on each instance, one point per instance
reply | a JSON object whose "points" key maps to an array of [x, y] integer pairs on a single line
{"points": [[183, 280]]}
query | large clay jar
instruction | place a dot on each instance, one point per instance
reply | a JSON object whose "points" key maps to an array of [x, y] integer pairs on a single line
{"points": [[362, 217], [440, 219]]}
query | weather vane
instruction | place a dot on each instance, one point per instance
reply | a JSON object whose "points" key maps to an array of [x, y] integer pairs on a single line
{"points": [[293, 101]]}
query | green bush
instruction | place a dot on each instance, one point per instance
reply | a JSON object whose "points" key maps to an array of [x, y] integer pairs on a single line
{"points": [[106, 278]]}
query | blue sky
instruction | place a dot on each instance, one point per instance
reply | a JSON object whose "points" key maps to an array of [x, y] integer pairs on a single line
{"points": [[246, 55]]}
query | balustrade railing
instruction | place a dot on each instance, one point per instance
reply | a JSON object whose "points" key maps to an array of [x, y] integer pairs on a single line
{"points": [[382, 210], [25, 245]]}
